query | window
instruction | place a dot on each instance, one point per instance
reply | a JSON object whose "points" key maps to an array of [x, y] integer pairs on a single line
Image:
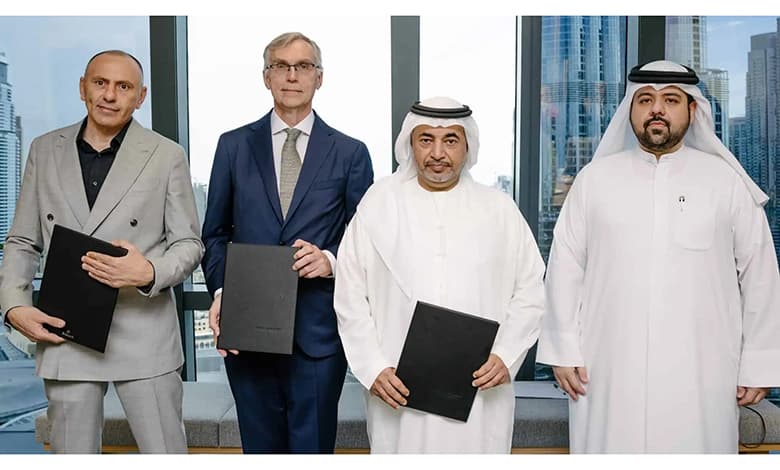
{"points": [[41, 61], [735, 58], [577, 102], [477, 69], [226, 91]]}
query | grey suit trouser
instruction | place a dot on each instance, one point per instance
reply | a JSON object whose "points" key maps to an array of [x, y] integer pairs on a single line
{"points": [[152, 406]]}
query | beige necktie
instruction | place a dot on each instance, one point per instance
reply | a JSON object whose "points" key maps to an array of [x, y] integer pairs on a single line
{"points": [[291, 167]]}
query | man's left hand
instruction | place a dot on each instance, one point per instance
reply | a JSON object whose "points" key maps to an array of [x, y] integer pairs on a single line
{"points": [[750, 395], [131, 270], [310, 261], [493, 372]]}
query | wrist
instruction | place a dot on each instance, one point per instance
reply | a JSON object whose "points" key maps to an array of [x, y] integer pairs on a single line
{"points": [[10, 316], [148, 278]]}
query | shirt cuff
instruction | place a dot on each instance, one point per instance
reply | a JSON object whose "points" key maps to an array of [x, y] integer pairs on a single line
{"points": [[217, 292], [332, 260]]}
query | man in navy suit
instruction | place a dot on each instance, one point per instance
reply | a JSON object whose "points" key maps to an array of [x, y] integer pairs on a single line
{"points": [[287, 179]]}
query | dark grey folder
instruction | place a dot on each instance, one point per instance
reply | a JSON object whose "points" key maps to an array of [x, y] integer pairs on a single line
{"points": [[67, 291], [442, 350], [258, 299]]}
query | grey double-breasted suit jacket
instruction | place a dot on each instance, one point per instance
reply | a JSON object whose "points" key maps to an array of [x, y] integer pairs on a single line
{"points": [[147, 200]]}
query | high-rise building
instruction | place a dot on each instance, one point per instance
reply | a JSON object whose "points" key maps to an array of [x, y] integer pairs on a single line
{"points": [[10, 152], [761, 113], [739, 137], [686, 41], [714, 84], [583, 74]]}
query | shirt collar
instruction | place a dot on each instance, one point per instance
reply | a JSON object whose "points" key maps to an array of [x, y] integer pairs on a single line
{"points": [[277, 125], [115, 142], [665, 158]]}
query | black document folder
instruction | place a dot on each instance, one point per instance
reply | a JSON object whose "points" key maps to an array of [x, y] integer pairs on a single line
{"points": [[67, 291], [442, 350], [258, 299]]}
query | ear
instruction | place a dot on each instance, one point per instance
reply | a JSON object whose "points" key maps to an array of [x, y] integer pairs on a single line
{"points": [[267, 79], [141, 98], [691, 111], [319, 80], [82, 89]]}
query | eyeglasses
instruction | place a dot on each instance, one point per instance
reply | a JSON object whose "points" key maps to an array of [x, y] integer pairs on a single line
{"points": [[281, 68]]}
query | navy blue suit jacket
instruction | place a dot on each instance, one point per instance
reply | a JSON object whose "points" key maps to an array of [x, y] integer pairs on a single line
{"points": [[243, 207]]}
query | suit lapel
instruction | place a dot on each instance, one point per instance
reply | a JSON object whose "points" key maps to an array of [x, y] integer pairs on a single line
{"points": [[320, 143], [69, 172], [262, 151], [132, 157]]}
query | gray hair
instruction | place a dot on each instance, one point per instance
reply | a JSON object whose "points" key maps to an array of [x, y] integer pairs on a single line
{"points": [[284, 40]]}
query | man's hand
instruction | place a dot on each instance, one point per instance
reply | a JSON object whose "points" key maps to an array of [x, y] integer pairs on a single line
{"points": [[493, 372], [131, 270], [750, 395], [216, 306], [389, 388], [572, 380], [29, 321], [310, 261]]}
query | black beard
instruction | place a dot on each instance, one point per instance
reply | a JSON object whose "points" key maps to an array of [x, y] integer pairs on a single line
{"points": [[671, 139]]}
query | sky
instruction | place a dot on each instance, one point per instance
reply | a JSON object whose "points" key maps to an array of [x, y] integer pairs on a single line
{"points": [[728, 40], [46, 57]]}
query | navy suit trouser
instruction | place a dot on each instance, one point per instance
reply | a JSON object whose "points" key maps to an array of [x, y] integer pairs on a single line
{"points": [[286, 404]]}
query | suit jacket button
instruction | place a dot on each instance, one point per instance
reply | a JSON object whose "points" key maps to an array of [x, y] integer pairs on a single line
{"points": [[281, 243], [133, 223], [49, 217]]}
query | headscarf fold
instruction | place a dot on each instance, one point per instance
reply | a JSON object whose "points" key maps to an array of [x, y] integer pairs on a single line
{"points": [[619, 135], [383, 212]]}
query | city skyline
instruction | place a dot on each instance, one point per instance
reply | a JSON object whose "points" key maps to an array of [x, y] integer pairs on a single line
{"points": [[46, 58], [10, 151]]}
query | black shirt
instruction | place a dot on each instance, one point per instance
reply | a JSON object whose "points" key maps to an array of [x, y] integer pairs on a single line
{"points": [[94, 164]]}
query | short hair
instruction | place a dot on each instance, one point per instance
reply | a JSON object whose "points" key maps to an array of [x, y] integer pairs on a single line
{"points": [[284, 40], [118, 53]]}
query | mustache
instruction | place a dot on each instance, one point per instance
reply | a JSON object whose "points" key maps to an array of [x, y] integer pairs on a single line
{"points": [[656, 119]]}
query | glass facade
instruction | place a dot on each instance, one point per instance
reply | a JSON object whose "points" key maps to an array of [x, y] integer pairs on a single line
{"points": [[736, 58], [226, 90], [583, 78], [450, 65], [41, 61]]}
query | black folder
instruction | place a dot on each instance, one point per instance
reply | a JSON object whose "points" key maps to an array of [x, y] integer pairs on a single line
{"points": [[258, 299], [442, 350], [67, 291]]}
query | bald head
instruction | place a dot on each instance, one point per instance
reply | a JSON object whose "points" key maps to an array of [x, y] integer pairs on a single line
{"points": [[117, 53]]}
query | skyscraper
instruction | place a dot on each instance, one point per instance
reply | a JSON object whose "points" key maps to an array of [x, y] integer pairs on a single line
{"points": [[739, 136], [686, 43], [10, 152], [761, 113], [714, 84], [582, 83]]}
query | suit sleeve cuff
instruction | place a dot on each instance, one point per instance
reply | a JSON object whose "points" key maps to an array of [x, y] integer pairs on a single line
{"points": [[147, 289]]}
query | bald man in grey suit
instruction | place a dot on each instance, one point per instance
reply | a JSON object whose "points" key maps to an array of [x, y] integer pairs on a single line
{"points": [[108, 177]]}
